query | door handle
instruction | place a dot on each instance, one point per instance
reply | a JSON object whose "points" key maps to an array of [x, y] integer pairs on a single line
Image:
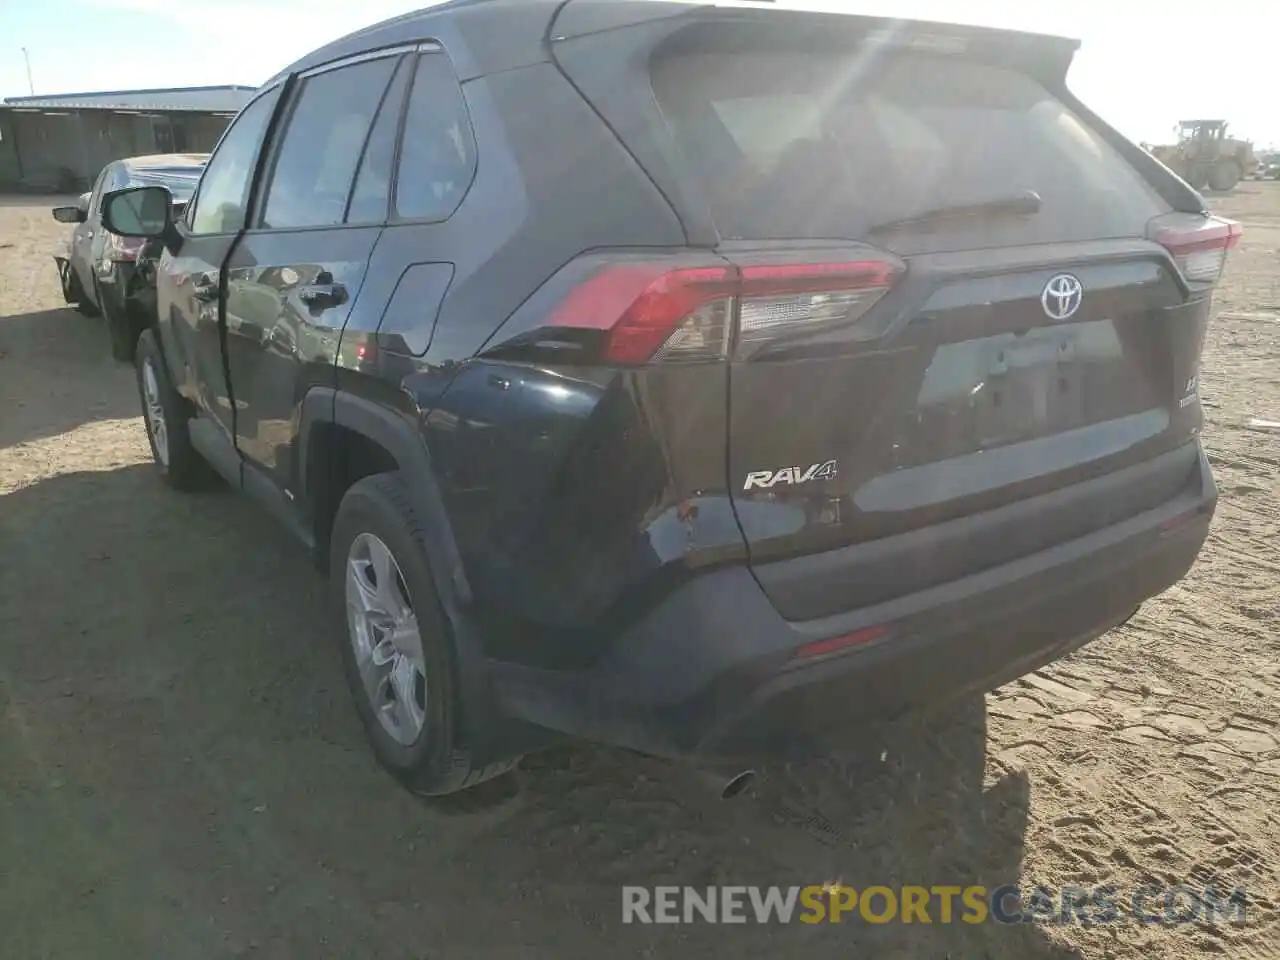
{"points": [[322, 296], [204, 286]]}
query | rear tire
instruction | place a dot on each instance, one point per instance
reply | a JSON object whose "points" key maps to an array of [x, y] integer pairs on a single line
{"points": [[395, 643], [165, 416], [1224, 176]]}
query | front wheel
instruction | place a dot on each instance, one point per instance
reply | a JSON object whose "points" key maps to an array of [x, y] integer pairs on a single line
{"points": [[73, 291], [65, 281], [395, 642], [179, 463]]}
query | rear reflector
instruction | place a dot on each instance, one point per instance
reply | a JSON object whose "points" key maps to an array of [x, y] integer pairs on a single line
{"points": [[653, 311], [1198, 244], [821, 648], [1176, 523]]}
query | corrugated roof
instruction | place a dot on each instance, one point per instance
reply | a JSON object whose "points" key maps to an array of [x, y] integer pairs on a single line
{"points": [[224, 99]]}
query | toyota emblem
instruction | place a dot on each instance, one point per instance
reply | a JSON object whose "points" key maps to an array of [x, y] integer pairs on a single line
{"points": [[1062, 296]]}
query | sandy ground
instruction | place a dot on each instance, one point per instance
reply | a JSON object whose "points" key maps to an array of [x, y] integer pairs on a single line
{"points": [[181, 774]]}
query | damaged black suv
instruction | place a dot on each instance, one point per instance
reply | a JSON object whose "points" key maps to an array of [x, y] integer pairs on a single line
{"points": [[687, 377]]}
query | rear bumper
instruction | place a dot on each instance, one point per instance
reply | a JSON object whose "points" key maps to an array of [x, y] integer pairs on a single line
{"points": [[126, 299], [713, 670], [116, 280]]}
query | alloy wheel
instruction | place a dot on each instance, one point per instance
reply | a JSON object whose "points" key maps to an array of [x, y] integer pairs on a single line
{"points": [[155, 412], [385, 638]]}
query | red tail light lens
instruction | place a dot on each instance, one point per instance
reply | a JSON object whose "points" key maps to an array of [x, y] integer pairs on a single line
{"points": [[122, 249], [657, 312], [1198, 244], [647, 306]]}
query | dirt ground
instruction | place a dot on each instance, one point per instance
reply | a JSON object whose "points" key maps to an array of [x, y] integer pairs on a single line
{"points": [[181, 774]]}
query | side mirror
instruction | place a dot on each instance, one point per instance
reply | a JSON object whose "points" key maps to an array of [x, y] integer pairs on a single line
{"points": [[69, 215], [138, 212]]}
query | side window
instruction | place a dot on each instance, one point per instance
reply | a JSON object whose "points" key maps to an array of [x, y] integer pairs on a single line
{"points": [[326, 131], [224, 189], [438, 155], [372, 190]]}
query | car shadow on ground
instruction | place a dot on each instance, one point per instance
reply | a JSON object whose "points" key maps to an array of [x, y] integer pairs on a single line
{"points": [[56, 373], [186, 778]]}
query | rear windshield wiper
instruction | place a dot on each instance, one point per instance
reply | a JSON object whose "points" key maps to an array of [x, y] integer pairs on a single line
{"points": [[1020, 204]]}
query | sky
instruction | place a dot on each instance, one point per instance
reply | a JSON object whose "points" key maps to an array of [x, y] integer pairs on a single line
{"points": [[1144, 64]]}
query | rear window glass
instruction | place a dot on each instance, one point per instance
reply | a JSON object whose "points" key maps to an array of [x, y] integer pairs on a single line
{"points": [[182, 184], [790, 145]]}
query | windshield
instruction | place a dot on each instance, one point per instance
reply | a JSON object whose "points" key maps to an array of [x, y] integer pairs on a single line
{"points": [[794, 145]]}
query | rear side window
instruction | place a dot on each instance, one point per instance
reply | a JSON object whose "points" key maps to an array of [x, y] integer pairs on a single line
{"points": [[791, 145], [438, 154], [181, 185], [323, 140], [372, 190]]}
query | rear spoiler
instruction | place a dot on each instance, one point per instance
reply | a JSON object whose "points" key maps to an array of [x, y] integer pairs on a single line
{"points": [[1047, 58]]}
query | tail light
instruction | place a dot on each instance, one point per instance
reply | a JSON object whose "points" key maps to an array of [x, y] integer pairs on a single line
{"points": [[777, 300], [656, 311], [1198, 244], [122, 249]]}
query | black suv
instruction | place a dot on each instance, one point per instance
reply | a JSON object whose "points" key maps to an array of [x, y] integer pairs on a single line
{"points": [[687, 377]]}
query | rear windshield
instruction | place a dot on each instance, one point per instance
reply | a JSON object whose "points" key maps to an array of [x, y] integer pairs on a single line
{"points": [[181, 181], [791, 145]]}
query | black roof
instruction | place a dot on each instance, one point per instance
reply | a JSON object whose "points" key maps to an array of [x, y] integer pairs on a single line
{"points": [[483, 36], [488, 36]]}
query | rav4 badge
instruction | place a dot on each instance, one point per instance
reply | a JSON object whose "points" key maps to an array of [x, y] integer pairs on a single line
{"points": [[793, 476]]}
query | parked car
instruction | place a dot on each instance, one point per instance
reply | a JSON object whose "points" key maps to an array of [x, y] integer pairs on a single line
{"points": [[98, 271], [694, 379]]}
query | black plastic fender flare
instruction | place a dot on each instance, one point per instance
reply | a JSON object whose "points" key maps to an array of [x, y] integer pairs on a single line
{"points": [[400, 437]]}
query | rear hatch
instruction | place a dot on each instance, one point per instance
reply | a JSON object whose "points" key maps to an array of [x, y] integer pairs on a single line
{"points": [[954, 294]]}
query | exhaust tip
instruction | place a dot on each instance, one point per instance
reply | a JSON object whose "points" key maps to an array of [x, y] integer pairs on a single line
{"points": [[736, 784]]}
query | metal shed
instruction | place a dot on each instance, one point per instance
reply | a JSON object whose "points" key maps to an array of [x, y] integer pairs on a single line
{"points": [[61, 142]]}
